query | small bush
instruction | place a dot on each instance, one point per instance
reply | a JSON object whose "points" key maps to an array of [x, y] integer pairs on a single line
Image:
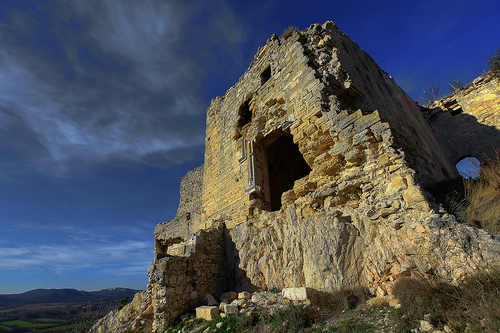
{"points": [[494, 63], [275, 290], [430, 95], [473, 305], [289, 31], [293, 318], [340, 300], [456, 85]]}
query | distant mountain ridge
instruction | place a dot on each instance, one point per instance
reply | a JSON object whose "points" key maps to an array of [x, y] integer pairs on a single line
{"points": [[65, 295]]}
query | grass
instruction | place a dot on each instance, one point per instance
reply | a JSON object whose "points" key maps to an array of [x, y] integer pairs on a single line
{"points": [[474, 201], [69, 327], [482, 207], [292, 318], [48, 320], [472, 306], [340, 300], [21, 323], [353, 325]]}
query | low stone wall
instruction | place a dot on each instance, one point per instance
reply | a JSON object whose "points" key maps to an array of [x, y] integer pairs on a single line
{"points": [[180, 283]]}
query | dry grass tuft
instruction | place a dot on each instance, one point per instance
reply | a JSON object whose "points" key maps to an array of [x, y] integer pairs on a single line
{"points": [[289, 31], [474, 305], [340, 300], [482, 196], [474, 201]]}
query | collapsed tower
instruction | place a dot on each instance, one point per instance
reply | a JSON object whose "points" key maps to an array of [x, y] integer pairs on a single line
{"points": [[314, 175]]}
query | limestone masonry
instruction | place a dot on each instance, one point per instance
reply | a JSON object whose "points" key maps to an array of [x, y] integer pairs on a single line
{"points": [[316, 165]]}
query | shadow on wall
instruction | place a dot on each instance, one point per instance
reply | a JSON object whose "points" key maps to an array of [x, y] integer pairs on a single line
{"points": [[236, 278], [462, 135]]}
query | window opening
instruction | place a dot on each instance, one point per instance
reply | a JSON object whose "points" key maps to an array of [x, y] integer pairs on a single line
{"points": [[469, 167], [285, 165], [266, 75], [244, 113]]}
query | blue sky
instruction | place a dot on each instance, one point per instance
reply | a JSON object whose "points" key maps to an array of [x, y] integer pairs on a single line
{"points": [[102, 111]]}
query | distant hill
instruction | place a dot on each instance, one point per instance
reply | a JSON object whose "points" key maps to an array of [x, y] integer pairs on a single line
{"points": [[65, 296]]}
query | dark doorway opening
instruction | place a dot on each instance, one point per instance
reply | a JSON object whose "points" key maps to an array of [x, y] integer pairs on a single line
{"points": [[285, 166], [244, 114]]}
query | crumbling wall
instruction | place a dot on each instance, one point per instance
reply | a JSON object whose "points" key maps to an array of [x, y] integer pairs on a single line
{"points": [[187, 220], [347, 117], [179, 283], [467, 123], [361, 215]]}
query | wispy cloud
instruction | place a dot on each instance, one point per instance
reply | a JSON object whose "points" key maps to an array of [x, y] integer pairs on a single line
{"points": [[100, 81], [129, 255]]}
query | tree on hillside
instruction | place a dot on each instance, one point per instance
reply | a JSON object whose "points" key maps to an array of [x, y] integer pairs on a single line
{"points": [[494, 63]]}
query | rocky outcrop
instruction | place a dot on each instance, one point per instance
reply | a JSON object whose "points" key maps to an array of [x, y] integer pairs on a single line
{"points": [[314, 176], [137, 317]]}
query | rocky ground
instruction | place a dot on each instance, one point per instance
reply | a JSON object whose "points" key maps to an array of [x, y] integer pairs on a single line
{"points": [[271, 312]]}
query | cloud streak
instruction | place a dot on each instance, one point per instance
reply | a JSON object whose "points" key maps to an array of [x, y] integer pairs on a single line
{"points": [[121, 85], [62, 259]]}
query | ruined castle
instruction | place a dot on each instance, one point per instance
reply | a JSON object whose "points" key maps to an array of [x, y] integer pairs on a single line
{"points": [[316, 165]]}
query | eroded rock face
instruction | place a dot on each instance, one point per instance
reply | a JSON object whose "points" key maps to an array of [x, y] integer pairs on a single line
{"points": [[314, 175], [347, 248]]}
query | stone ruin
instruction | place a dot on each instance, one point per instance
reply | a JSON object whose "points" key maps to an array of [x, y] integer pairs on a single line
{"points": [[316, 165]]}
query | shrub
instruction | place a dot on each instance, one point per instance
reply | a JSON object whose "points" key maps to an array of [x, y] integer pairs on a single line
{"points": [[494, 63], [289, 31], [473, 305], [430, 95], [340, 300], [456, 85], [474, 201]]}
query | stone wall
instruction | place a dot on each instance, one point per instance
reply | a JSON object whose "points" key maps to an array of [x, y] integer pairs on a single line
{"points": [[467, 123], [187, 220], [347, 118], [180, 283]]}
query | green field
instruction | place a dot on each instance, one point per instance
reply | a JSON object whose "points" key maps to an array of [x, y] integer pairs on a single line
{"points": [[51, 321], [22, 323], [51, 317]]}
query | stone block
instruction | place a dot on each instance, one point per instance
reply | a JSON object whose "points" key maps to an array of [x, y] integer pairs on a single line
{"points": [[230, 309], [244, 295], [297, 294], [207, 312]]}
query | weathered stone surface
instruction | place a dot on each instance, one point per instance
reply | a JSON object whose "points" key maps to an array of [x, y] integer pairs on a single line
{"points": [[207, 312], [296, 294], [230, 309], [244, 295]]}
